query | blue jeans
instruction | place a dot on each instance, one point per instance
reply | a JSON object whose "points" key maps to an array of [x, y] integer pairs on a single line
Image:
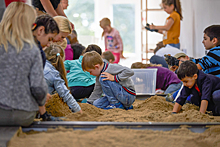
{"points": [[175, 45], [158, 60], [114, 93], [172, 88]]}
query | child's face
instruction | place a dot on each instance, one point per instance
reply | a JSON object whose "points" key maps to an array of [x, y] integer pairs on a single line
{"points": [[96, 71], [168, 9], [208, 44], [60, 36], [106, 29], [189, 81], [44, 39]]}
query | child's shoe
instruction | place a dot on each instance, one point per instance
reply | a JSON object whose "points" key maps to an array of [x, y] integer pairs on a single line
{"points": [[169, 97], [48, 117], [131, 107], [113, 106]]}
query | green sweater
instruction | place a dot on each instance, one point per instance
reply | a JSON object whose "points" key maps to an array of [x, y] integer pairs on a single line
{"points": [[76, 76]]}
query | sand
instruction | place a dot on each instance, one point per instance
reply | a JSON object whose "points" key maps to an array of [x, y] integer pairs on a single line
{"points": [[112, 137], [154, 109]]}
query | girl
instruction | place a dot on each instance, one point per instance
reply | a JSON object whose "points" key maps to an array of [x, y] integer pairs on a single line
{"points": [[22, 83], [166, 79], [55, 75], [113, 41], [44, 30], [171, 30]]}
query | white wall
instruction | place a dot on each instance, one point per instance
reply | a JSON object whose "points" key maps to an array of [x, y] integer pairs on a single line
{"points": [[197, 15]]}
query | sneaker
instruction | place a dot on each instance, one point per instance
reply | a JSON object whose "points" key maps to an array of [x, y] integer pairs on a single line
{"points": [[48, 117], [113, 106], [131, 107], [169, 97]]}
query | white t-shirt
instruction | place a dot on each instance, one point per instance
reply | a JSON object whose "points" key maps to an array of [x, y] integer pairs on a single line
{"points": [[168, 50]]}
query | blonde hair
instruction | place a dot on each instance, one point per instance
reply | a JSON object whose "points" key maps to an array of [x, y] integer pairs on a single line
{"points": [[16, 25], [90, 59], [63, 24], [103, 23], [63, 43], [141, 65], [55, 54]]}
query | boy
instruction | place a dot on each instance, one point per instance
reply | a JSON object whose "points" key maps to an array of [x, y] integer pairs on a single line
{"points": [[204, 88], [108, 57], [111, 79], [211, 62]]}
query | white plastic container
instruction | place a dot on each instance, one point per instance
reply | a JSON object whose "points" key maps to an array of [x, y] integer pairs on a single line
{"points": [[145, 81]]}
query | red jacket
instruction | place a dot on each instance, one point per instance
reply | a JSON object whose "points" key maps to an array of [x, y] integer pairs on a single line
{"points": [[7, 2]]}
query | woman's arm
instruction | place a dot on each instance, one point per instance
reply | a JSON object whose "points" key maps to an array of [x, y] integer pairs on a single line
{"points": [[48, 7]]}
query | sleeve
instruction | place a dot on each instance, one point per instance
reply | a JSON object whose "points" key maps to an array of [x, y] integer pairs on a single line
{"points": [[38, 85], [106, 40], [119, 41], [67, 65], [206, 89], [97, 92], [121, 72], [185, 92], [64, 93], [173, 16], [208, 61]]}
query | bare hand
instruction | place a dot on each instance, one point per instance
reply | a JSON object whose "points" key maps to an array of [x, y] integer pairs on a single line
{"points": [[48, 97], [108, 76], [173, 68], [80, 111], [152, 26]]}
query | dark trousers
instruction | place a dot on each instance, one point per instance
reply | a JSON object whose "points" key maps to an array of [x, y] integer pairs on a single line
{"points": [[79, 92]]}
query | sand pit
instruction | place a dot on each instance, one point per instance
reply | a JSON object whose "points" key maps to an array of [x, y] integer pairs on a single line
{"points": [[154, 109], [111, 137]]}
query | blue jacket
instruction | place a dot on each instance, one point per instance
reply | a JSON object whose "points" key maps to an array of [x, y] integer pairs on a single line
{"points": [[207, 84], [211, 62], [76, 76], [56, 83]]}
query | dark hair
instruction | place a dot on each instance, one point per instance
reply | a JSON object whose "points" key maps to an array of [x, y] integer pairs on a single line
{"points": [[93, 47], [77, 50], [48, 22], [108, 56], [159, 45], [187, 69], [177, 6], [213, 31]]}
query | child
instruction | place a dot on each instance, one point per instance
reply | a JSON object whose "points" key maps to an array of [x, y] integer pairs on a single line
{"points": [[44, 30], [111, 79], [113, 41], [166, 79], [205, 89], [55, 75], [23, 88], [108, 57], [171, 30], [81, 83], [211, 62]]}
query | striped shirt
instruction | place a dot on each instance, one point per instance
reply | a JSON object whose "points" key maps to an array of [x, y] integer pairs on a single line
{"points": [[211, 62]]}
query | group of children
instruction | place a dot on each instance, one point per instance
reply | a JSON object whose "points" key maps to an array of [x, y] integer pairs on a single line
{"points": [[30, 74]]}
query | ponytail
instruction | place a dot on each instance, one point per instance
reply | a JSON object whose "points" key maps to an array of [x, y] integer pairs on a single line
{"points": [[55, 54], [177, 6]]}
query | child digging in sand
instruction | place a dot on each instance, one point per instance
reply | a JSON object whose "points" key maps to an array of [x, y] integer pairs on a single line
{"points": [[111, 79]]}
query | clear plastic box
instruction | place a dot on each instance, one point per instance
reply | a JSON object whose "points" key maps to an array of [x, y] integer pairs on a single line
{"points": [[145, 81]]}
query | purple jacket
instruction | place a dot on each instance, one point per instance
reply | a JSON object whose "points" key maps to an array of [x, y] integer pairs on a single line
{"points": [[165, 77], [68, 52]]}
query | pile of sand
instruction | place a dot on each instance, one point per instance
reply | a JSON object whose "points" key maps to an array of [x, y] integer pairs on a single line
{"points": [[111, 137], [154, 109]]}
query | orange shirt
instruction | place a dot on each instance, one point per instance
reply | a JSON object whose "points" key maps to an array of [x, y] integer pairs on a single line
{"points": [[172, 35]]}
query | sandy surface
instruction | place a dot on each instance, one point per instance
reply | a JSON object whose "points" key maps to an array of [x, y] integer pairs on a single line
{"points": [[154, 109], [113, 137]]}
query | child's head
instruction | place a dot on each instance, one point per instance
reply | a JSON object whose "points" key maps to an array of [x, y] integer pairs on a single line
{"points": [[187, 73], [64, 27], [77, 50], [93, 47], [45, 29], [108, 56], [105, 24], [55, 54], [138, 65], [172, 5], [181, 57], [92, 62], [16, 24], [73, 37], [211, 36]]}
